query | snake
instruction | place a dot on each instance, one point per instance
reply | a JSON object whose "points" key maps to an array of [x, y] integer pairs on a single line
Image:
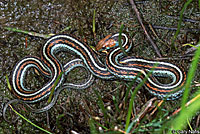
{"points": [[117, 66]]}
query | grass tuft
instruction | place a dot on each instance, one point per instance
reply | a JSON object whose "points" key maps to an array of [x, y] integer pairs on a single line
{"points": [[179, 23], [101, 105], [29, 121], [92, 126]]}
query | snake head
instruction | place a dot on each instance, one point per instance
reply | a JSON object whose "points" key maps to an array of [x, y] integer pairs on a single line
{"points": [[107, 43]]}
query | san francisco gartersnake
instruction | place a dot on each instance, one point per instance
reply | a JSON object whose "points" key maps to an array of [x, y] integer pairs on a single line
{"points": [[115, 67]]}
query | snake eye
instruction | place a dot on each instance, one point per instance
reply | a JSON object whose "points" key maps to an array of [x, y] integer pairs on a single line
{"points": [[107, 48], [102, 49]]}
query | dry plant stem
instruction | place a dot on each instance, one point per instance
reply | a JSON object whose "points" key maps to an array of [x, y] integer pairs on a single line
{"points": [[187, 104], [186, 20], [192, 49], [156, 108], [122, 131], [48, 123], [174, 29], [187, 56], [145, 31], [197, 123], [145, 109]]}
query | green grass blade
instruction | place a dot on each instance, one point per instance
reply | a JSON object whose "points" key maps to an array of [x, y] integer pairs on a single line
{"points": [[179, 22], [188, 44], [57, 120], [17, 30], [188, 122], [29, 121], [101, 125], [28, 32], [93, 22], [8, 82], [65, 29], [199, 4], [115, 104], [120, 39], [54, 86], [101, 105], [92, 126]]}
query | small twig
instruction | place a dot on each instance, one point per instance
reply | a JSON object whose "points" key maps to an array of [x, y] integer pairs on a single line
{"points": [[152, 29], [145, 31], [174, 29], [149, 105], [184, 19], [187, 104], [197, 123], [48, 124], [192, 49], [188, 56]]}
